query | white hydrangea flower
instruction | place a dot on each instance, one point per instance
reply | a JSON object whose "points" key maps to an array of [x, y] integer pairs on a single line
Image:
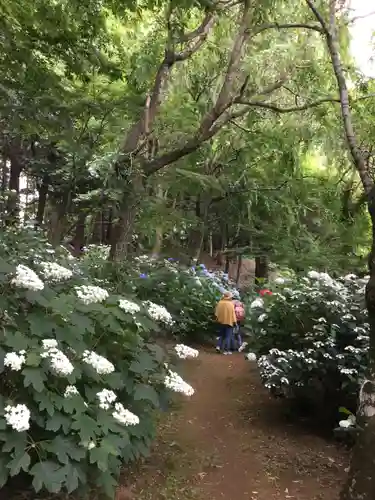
{"points": [[27, 278], [106, 398], [49, 343], [158, 313], [71, 390], [279, 280], [17, 417], [128, 306], [184, 351], [100, 364], [262, 317], [89, 445], [243, 346], [15, 360], [124, 416], [349, 422], [314, 275], [250, 356], [91, 294], [59, 362], [55, 272], [175, 383], [257, 303]]}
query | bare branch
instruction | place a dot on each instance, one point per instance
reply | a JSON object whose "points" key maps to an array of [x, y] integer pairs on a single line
{"points": [[265, 27]]}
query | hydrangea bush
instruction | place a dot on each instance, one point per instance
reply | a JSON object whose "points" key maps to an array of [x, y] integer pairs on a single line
{"points": [[188, 294], [80, 385], [312, 337]]}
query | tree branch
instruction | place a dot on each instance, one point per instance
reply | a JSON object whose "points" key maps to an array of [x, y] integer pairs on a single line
{"points": [[330, 32], [265, 27]]}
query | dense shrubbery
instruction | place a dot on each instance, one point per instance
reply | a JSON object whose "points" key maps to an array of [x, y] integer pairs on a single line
{"points": [[312, 338], [80, 385], [189, 294]]}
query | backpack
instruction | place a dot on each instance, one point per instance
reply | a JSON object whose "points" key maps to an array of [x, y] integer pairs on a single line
{"points": [[239, 311]]}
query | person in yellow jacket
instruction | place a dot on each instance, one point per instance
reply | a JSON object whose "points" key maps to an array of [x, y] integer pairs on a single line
{"points": [[226, 318]]}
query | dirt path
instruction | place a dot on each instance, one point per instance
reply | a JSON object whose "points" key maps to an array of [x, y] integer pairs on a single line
{"points": [[230, 441]]}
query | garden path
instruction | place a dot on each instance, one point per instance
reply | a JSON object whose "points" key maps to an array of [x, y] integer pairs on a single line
{"points": [[232, 441]]}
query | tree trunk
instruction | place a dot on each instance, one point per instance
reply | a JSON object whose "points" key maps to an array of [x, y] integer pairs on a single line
{"points": [[122, 230], [227, 263], [261, 269], [78, 241], [158, 243], [97, 229], [360, 484], [14, 184], [42, 201], [239, 266]]}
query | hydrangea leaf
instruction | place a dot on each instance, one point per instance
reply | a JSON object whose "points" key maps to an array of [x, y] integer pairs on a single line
{"points": [[20, 462], [34, 377]]}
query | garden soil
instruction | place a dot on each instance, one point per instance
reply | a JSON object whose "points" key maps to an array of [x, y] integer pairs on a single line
{"points": [[232, 441]]}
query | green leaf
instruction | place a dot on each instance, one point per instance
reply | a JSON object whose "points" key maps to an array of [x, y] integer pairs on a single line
{"points": [[86, 426], [74, 476], [345, 411], [65, 449], [107, 483], [49, 475], [143, 363], [34, 377], [4, 473], [17, 341], [19, 462], [57, 421], [33, 359], [45, 402], [145, 392], [16, 441], [99, 456]]}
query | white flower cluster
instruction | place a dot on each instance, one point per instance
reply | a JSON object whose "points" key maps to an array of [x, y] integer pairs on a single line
{"points": [[159, 313], [17, 417], [91, 294], [175, 383], [27, 278], [128, 306], [71, 390], [60, 363], [100, 364], [15, 360], [106, 398], [349, 422], [55, 273], [124, 416], [185, 352], [257, 304], [250, 356]]}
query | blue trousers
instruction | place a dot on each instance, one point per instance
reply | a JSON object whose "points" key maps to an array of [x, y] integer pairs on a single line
{"points": [[225, 337], [236, 338]]}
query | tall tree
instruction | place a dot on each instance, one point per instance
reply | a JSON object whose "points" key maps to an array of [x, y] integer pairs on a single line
{"points": [[361, 479]]}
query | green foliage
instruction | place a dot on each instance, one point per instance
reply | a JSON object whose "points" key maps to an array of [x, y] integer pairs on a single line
{"points": [[312, 337], [189, 294], [70, 438]]}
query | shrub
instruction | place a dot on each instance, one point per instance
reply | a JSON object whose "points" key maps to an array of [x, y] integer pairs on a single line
{"points": [[189, 294], [312, 336], [80, 385]]}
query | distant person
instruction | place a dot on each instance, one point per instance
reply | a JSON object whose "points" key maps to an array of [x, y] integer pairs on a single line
{"points": [[226, 318], [239, 311]]}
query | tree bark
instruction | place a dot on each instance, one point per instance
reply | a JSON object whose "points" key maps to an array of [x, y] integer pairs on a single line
{"points": [[261, 269], [239, 266], [42, 201]]}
